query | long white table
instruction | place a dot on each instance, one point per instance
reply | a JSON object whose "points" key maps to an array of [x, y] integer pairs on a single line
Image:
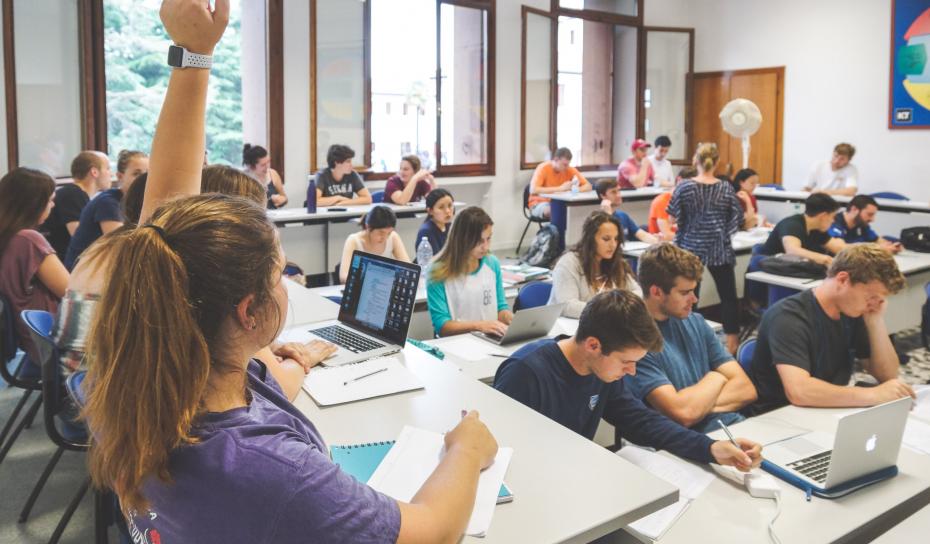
{"points": [[725, 513], [568, 211], [904, 308], [893, 215]]}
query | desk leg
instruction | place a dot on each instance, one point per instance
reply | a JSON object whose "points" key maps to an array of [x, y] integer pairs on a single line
{"points": [[329, 277], [558, 216]]}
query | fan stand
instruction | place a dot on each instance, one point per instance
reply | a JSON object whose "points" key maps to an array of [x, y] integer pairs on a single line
{"points": [[745, 152]]}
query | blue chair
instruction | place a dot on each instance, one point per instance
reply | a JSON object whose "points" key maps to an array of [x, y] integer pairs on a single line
{"points": [[745, 352], [61, 427], [377, 197], [889, 195], [775, 186], [24, 376], [925, 319], [533, 295]]}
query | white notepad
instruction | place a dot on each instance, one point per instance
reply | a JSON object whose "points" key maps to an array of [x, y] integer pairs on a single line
{"points": [[469, 347], [335, 385], [416, 454], [690, 480]]}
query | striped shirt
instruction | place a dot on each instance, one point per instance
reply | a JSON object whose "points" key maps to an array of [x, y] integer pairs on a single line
{"points": [[708, 215]]}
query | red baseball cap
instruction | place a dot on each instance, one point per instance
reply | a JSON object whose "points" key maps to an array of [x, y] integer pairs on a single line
{"points": [[639, 143]]}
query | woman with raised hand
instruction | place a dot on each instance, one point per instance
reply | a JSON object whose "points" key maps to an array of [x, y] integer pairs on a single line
{"points": [[196, 440], [411, 183]]}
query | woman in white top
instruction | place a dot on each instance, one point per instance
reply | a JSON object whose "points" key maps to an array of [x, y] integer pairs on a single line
{"points": [[377, 236], [464, 287], [593, 265]]}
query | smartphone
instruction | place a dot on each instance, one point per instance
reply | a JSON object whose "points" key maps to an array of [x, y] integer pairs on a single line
{"points": [[337, 209]]}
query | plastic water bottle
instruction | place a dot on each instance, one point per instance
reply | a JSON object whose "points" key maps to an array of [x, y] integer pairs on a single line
{"points": [[424, 253], [311, 194], [575, 185]]}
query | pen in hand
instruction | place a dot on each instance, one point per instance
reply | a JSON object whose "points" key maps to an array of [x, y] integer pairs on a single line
{"points": [[347, 382]]}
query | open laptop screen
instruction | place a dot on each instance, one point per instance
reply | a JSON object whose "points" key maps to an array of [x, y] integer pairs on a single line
{"points": [[379, 296]]}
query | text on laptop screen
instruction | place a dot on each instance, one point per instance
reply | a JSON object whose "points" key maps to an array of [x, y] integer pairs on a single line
{"points": [[379, 296]]}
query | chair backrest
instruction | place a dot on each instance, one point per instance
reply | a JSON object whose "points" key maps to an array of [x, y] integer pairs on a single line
{"points": [[745, 352], [532, 295], [40, 329], [889, 195], [7, 333], [377, 197], [775, 186], [526, 198]]}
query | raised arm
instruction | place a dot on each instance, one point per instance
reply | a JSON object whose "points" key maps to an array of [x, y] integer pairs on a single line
{"points": [[178, 144]]}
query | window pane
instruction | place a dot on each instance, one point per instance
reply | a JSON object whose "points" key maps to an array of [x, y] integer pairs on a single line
{"points": [[403, 82], [135, 49], [624, 84], [619, 7], [538, 84], [340, 77], [464, 63], [48, 93], [667, 65]]}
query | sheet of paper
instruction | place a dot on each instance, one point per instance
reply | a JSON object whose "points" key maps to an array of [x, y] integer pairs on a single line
{"points": [[341, 384], [764, 429], [922, 406], [917, 435], [690, 479], [416, 454], [469, 347], [655, 525]]}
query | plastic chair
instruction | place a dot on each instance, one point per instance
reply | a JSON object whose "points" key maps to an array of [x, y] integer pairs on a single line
{"points": [[775, 186], [925, 319], [891, 195], [532, 295], [65, 433], [744, 353], [529, 216], [25, 376], [377, 197]]}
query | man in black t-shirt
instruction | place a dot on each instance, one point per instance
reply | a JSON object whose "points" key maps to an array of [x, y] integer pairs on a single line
{"points": [[90, 171], [805, 234], [339, 184], [808, 342]]}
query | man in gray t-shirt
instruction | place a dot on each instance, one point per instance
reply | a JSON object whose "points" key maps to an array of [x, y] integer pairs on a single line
{"points": [[808, 342], [339, 184]]}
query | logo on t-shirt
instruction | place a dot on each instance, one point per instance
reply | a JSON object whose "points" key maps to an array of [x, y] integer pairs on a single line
{"points": [[592, 402]]}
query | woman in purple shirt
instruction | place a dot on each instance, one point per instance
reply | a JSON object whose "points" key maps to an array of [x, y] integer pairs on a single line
{"points": [[194, 437], [411, 183]]}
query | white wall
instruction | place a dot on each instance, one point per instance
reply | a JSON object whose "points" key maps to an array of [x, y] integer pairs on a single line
{"points": [[836, 55]]}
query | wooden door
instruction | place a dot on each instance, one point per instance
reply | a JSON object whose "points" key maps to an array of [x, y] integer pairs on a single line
{"points": [[764, 87]]}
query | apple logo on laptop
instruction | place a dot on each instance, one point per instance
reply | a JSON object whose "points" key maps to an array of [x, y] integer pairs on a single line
{"points": [[870, 443]]}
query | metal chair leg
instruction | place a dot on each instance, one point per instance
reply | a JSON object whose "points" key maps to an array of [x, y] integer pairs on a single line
{"points": [[19, 429], [522, 236], [66, 517], [103, 515], [14, 415], [30, 502]]}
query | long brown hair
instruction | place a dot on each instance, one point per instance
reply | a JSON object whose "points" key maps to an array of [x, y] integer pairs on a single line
{"points": [[219, 178], [465, 234], [155, 338], [615, 270], [24, 194]]}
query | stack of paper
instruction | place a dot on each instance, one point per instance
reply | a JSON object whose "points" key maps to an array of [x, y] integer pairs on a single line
{"points": [[690, 480], [358, 381], [416, 454]]}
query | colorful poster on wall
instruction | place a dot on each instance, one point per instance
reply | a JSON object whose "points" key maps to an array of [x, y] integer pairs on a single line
{"points": [[909, 102]]}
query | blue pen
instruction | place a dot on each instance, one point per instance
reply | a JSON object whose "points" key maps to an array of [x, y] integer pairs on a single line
{"points": [[809, 491]]}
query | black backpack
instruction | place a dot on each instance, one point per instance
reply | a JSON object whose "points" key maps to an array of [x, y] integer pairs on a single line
{"points": [[793, 266], [916, 239], [544, 249]]}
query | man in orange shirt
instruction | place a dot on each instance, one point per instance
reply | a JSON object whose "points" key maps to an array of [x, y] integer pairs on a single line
{"points": [[553, 176], [659, 222]]}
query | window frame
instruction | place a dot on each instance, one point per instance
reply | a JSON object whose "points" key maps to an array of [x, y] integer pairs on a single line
{"points": [[689, 87], [526, 11], [454, 170]]}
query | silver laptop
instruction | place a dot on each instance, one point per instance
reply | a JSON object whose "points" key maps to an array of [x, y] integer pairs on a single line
{"points": [[527, 325], [865, 442], [374, 316]]}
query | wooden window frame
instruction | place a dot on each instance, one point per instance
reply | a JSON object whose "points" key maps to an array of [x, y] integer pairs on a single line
{"points": [[526, 11], [689, 87], [454, 170], [601, 16]]}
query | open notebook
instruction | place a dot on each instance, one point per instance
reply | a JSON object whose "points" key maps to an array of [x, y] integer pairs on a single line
{"points": [[359, 381]]}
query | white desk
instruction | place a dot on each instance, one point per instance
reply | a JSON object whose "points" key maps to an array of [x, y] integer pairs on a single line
{"points": [[566, 488], [569, 211], [903, 308], [725, 513], [914, 529], [893, 215]]}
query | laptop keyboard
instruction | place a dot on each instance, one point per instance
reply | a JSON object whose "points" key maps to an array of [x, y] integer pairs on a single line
{"points": [[814, 467], [345, 338]]}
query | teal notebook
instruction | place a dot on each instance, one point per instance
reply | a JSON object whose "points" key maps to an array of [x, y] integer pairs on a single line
{"points": [[361, 460]]}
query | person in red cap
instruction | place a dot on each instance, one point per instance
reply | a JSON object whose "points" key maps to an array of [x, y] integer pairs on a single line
{"points": [[636, 171]]}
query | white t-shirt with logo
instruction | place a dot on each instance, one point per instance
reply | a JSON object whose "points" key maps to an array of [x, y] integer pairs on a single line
{"points": [[662, 169], [824, 177]]}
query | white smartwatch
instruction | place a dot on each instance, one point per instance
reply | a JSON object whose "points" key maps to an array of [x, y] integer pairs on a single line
{"points": [[179, 57]]}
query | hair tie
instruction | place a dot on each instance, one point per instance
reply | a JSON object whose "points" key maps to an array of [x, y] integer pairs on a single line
{"points": [[161, 232]]}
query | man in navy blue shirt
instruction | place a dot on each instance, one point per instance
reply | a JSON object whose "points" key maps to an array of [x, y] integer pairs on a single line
{"points": [[853, 225], [577, 380], [609, 193]]}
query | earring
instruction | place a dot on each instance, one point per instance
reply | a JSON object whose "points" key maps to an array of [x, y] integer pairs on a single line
{"points": [[252, 324]]}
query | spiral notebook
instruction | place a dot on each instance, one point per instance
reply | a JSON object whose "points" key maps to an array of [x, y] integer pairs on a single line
{"points": [[361, 460]]}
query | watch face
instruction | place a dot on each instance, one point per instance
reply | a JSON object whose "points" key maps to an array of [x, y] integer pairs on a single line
{"points": [[175, 56]]}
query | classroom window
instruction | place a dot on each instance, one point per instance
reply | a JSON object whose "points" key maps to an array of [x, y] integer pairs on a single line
{"points": [[623, 8], [401, 77], [537, 88], [668, 80], [135, 48]]}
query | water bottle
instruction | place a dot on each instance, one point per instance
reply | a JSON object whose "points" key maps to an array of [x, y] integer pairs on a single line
{"points": [[575, 185], [311, 194], [424, 253]]}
